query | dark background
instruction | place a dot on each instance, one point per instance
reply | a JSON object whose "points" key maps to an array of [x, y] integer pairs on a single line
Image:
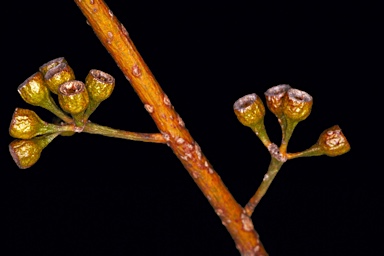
{"points": [[92, 195]]}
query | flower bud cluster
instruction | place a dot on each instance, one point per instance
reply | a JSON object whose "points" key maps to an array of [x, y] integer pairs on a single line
{"points": [[282, 100], [74, 97], [290, 106]]}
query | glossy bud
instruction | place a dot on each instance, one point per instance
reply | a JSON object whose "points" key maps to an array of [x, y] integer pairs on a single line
{"points": [[58, 75], [275, 98], [333, 142], [100, 86], [25, 153], [74, 99], [250, 112], [26, 124], [35, 92], [297, 105]]}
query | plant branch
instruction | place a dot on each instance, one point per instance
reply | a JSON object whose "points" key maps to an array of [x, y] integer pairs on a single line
{"points": [[273, 169], [116, 40]]}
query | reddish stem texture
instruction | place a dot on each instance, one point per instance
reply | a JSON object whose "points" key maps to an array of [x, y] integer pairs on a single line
{"points": [[116, 40]]}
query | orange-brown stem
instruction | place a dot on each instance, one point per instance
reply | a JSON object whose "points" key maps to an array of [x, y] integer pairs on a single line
{"points": [[116, 40]]}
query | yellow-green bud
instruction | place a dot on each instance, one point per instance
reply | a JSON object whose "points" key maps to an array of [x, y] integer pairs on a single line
{"points": [[297, 105], [26, 124], [74, 99], [58, 75], [249, 110], [34, 91], [99, 85], [25, 153]]}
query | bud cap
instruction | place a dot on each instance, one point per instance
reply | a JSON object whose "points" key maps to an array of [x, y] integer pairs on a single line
{"points": [[51, 64]]}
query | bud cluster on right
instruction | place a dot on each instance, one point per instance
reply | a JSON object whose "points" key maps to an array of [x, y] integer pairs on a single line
{"points": [[290, 106]]}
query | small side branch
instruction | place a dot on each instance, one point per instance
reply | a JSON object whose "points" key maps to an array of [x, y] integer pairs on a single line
{"points": [[273, 169], [110, 132]]}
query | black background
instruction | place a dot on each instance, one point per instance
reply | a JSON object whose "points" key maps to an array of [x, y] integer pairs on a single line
{"points": [[92, 195]]}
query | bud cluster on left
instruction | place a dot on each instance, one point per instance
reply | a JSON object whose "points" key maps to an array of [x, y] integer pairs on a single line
{"points": [[75, 98]]}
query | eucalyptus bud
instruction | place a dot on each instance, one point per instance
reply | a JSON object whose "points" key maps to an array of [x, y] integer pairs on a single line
{"points": [[26, 124], [331, 142], [250, 112], [100, 86], [58, 75], [73, 98], [35, 92], [25, 153], [297, 106], [275, 98]]}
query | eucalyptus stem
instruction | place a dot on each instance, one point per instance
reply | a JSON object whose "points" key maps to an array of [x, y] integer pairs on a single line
{"points": [[91, 108], [51, 106], [260, 132], [313, 151], [115, 133], [288, 127], [273, 169], [116, 40]]}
